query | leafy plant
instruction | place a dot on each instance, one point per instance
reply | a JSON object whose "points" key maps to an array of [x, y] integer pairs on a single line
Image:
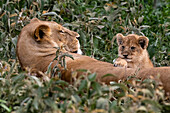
{"points": [[22, 92]]}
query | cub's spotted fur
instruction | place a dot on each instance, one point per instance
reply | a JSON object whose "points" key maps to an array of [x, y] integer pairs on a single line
{"points": [[132, 51]]}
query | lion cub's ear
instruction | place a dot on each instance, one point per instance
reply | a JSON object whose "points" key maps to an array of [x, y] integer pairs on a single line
{"points": [[119, 37], [42, 31], [143, 42]]}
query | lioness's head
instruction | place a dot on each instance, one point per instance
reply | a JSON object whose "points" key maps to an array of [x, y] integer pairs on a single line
{"points": [[39, 40], [132, 47]]}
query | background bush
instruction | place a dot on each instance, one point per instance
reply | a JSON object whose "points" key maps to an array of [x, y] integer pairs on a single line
{"points": [[97, 22]]}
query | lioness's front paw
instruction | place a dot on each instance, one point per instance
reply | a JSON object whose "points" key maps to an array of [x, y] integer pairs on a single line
{"points": [[120, 63]]}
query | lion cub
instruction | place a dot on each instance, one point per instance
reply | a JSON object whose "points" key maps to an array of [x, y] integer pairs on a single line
{"points": [[132, 51]]}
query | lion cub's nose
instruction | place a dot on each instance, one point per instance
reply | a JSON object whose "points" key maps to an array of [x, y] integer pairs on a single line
{"points": [[125, 56]]}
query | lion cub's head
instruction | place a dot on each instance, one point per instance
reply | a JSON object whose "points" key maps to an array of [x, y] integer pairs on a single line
{"points": [[133, 49]]}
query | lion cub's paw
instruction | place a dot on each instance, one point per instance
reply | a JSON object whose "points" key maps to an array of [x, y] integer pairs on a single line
{"points": [[120, 63]]}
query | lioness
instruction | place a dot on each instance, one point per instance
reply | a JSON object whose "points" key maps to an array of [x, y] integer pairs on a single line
{"points": [[42, 40], [132, 51], [36, 48]]}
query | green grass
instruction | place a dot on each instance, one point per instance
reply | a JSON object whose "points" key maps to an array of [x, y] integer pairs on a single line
{"points": [[97, 22]]}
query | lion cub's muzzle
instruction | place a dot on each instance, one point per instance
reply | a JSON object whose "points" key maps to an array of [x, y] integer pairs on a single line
{"points": [[127, 57]]}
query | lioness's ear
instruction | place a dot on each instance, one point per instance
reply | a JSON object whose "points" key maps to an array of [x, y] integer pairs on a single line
{"points": [[42, 31], [143, 42], [34, 20], [119, 37]]}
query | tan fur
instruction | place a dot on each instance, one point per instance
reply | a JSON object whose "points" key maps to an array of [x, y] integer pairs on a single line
{"points": [[38, 51], [132, 51], [38, 41]]}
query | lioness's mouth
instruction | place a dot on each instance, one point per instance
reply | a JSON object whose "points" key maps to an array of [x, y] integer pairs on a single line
{"points": [[74, 52]]}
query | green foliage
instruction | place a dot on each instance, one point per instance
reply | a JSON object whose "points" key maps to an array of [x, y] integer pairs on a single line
{"points": [[21, 92], [97, 22]]}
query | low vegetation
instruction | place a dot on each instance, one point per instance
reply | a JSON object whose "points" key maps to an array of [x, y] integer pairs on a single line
{"points": [[97, 22]]}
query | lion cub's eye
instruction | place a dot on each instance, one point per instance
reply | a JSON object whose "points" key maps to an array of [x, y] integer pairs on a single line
{"points": [[132, 48], [123, 47]]}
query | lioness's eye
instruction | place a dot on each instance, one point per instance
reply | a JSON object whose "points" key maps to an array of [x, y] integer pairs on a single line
{"points": [[61, 31], [132, 48]]}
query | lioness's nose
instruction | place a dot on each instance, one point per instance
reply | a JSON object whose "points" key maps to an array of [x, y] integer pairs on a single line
{"points": [[78, 36]]}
